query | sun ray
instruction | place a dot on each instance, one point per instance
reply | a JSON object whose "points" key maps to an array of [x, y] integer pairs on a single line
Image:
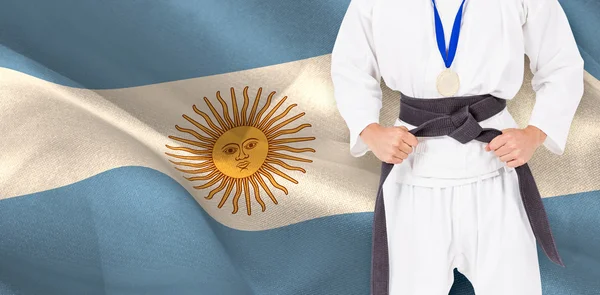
{"points": [[257, 192], [284, 165], [217, 189], [288, 140], [280, 125], [195, 165], [264, 108], [189, 150], [266, 188], [204, 177], [236, 113], [236, 197], [247, 196], [254, 106], [210, 183], [287, 131], [287, 157], [231, 181], [197, 171], [271, 112], [191, 142], [189, 157], [279, 117], [216, 114], [208, 120], [279, 172], [225, 111], [290, 149], [245, 105], [196, 134], [206, 130], [268, 175]]}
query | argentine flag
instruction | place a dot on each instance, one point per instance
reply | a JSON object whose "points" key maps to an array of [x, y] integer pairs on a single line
{"points": [[195, 147]]}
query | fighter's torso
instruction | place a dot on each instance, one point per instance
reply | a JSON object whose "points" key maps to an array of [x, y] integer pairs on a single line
{"points": [[489, 57]]}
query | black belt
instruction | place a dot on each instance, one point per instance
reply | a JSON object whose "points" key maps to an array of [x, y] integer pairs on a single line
{"points": [[456, 117]]}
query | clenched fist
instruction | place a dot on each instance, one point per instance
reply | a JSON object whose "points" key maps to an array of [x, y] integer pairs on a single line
{"points": [[389, 144], [516, 146]]}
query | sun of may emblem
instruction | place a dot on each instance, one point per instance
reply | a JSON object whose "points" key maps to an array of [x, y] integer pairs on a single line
{"points": [[240, 152]]}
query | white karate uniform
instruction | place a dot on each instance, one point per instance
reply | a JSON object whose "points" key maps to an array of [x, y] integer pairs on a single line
{"points": [[450, 204]]}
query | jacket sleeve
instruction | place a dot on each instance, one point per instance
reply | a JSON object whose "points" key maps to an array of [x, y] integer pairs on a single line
{"points": [[355, 73], [557, 68]]}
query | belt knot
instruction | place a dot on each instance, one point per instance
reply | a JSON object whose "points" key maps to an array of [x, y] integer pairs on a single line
{"points": [[466, 126]]}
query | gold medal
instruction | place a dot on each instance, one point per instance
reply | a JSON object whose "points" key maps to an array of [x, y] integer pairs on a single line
{"points": [[448, 82]]}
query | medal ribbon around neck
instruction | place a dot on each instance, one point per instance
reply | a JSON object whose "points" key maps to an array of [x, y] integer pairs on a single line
{"points": [[447, 82]]}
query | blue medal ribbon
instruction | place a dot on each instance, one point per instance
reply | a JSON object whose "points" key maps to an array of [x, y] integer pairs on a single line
{"points": [[447, 55]]}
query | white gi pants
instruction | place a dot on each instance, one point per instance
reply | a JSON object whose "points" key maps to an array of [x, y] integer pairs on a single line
{"points": [[476, 224]]}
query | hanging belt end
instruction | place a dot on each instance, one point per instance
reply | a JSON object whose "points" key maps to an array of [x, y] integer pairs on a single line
{"points": [[559, 261]]}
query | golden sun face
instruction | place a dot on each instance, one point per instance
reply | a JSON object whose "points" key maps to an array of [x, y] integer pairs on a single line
{"points": [[242, 151]]}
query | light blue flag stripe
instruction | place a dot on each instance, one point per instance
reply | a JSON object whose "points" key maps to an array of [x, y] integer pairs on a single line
{"points": [[135, 230], [130, 43], [584, 19]]}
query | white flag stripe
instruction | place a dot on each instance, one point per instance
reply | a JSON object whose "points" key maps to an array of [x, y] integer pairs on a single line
{"points": [[55, 135]]}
